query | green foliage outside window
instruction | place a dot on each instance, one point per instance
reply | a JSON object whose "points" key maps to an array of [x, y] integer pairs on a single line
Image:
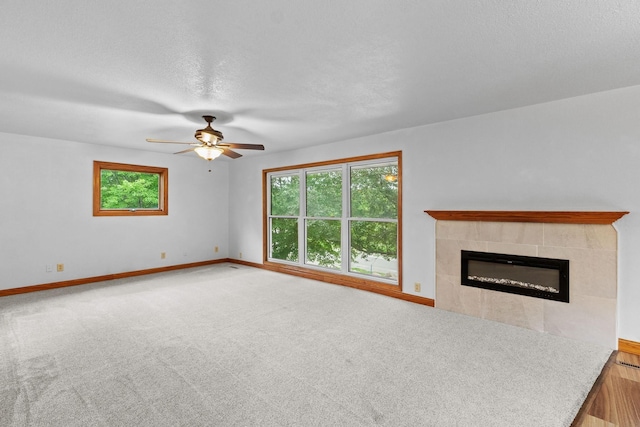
{"points": [[129, 190], [374, 191], [323, 243], [284, 239], [285, 195], [324, 194], [373, 242]]}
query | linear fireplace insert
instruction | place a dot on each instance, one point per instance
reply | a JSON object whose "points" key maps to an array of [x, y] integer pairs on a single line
{"points": [[546, 278]]}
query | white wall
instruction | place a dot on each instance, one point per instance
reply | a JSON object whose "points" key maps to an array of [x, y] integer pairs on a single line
{"points": [[576, 154], [47, 218]]}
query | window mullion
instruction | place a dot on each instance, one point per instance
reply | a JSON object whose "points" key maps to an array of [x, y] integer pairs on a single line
{"points": [[302, 215], [375, 219], [346, 213]]}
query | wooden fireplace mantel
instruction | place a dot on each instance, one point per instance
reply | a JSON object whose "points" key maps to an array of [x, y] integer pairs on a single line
{"points": [[558, 217]]}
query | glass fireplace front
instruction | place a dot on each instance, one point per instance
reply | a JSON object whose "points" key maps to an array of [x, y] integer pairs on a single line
{"points": [[546, 278]]}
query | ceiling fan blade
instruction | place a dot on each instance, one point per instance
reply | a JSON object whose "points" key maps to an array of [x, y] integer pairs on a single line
{"points": [[230, 153], [162, 141], [241, 146], [185, 151]]}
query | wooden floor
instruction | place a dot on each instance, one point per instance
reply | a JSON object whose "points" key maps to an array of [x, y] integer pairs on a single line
{"points": [[615, 397]]}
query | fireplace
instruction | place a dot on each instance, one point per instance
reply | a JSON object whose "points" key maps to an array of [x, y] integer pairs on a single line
{"points": [[546, 278], [587, 239]]}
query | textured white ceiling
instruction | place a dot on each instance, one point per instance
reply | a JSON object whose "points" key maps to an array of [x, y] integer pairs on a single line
{"points": [[288, 73]]}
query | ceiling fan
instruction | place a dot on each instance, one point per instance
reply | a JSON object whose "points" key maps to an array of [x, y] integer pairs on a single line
{"points": [[211, 145]]}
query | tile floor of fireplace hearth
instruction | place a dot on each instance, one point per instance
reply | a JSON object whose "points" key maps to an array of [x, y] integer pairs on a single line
{"points": [[614, 400]]}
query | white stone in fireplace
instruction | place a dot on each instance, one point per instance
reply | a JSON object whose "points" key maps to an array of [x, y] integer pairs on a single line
{"points": [[592, 253]]}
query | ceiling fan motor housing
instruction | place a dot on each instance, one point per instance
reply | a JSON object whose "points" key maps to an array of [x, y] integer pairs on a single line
{"points": [[209, 135]]}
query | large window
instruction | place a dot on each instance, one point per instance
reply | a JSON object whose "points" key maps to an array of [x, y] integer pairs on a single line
{"points": [[121, 189], [340, 216]]}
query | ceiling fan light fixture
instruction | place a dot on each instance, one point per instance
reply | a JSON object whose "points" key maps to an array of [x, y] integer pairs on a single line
{"points": [[208, 153]]}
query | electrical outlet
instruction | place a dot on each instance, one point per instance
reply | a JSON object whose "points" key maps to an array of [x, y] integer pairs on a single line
{"points": [[417, 287], [49, 268], [240, 256], [163, 255], [60, 267], [215, 249]]}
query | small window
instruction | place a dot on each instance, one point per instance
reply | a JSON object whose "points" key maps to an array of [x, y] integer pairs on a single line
{"points": [[129, 190]]}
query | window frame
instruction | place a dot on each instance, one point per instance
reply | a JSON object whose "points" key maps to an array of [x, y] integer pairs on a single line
{"points": [[300, 267], [163, 190]]}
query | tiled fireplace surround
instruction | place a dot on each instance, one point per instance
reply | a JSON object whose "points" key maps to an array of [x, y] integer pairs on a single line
{"points": [[590, 248]]}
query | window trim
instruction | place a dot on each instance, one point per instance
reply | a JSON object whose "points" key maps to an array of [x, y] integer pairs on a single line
{"points": [[163, 197], [319, 273]]}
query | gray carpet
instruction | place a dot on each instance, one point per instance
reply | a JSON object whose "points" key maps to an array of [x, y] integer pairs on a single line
{"points": [[232, 345]]}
